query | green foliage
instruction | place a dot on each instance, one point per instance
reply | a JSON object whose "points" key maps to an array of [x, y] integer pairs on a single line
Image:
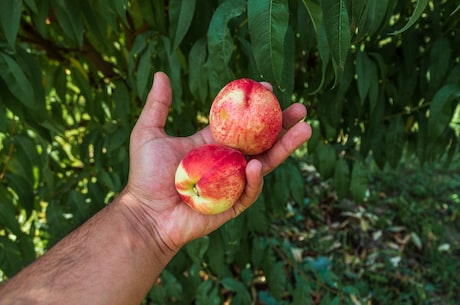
{"points": [[381, 79]]}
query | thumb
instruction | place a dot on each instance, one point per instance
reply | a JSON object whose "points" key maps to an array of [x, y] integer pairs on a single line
{"points": [[156, 109]]}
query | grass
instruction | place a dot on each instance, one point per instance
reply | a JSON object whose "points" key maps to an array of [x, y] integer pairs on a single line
{"points": [[400, 246]]}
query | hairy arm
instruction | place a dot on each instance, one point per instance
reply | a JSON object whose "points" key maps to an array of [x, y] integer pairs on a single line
{"points": [[114, 258]]}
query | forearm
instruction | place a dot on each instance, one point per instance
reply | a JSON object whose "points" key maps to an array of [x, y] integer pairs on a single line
{"points": [[111, 259]]}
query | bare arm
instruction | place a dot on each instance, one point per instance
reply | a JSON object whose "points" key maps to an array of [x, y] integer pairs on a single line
{"points": [[116, 256], [111, 259]]}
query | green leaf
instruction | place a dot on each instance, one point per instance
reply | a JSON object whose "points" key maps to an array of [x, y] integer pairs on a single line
{"points": [[258, 251], [325, 55], [197, 248], [416, 14], [180, 18], [440, 62], [8, 218], [231, 235], [337, 26], [215, 255], [327, 156], [67, 13], [220, 44], [441, 110], [342, 178], [144, 71], [80, 208], [258, 216], [32, 5], [268, 22], [242, 296], [394, 141], [359, 181], [296, 183], [120, 7], [372, 18], [279, 193], [357, 10], [315, 139], [10, 256], [94, 19], [285, 90], [277, 279], [28, 146], [31, 67], [302, 293], [207, 294], [173, 69], [172, 286], [198, 77], [315, 13], [10, 17], [138, 48], [122, 99], [16, 81], [24, 188], [367, 77]]}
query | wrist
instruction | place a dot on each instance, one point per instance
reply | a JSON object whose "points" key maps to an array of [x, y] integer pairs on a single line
{"points": [[143, 225]]}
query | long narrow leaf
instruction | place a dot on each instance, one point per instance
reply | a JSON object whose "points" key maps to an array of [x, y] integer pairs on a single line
{"points": [[220, 44], [16, 80], [315, 13], [419, 8], [180, 18], [10, 17], [268, 22], [441, 110], [337, 26]]}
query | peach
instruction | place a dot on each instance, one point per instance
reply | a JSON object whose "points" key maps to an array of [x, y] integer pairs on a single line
{"points": [[211, 178], [246, 116]]}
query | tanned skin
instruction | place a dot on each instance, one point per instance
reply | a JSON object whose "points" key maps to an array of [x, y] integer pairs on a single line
{"points": [[117, 255]]}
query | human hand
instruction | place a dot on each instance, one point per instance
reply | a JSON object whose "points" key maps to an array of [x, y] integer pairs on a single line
{"points": [[154, 157]]}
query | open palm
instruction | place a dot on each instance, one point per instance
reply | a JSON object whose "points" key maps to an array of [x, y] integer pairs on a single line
{"points": [[154, 157]]}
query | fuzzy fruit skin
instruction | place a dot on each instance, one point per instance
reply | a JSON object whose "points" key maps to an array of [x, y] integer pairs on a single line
{"points": [[247, 116], [211, 178]]}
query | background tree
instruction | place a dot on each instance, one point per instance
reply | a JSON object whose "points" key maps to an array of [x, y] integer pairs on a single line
{"points": [[381, 80]]}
